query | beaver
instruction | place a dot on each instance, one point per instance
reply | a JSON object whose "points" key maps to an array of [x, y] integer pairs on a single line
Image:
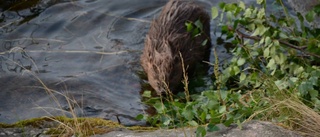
{"points": [[168, 41]]}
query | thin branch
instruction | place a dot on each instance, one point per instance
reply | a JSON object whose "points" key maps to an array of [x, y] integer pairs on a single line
{"points": [[300, 48]]}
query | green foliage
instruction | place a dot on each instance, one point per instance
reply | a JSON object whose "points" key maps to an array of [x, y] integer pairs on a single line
{"points": [[196, 29], [274, 56]]}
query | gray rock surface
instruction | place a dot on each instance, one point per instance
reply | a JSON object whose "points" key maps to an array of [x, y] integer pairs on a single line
{"points": [[23, 132], [250, 129], [255, 129], [303, 6]]}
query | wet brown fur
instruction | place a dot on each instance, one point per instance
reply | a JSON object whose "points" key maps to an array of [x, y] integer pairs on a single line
{"points": [[167, 37]]}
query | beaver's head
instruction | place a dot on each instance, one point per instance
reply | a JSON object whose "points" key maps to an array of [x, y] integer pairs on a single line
{"points": [[162, 67]]}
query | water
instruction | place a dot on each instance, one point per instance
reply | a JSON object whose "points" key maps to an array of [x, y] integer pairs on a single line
{"points": [[54, 53]]}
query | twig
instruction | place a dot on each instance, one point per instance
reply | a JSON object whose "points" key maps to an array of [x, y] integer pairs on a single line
{"points": [[301, 48]]}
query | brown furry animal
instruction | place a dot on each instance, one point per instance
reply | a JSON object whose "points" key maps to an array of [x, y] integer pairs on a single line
{"points": [[167, 38]]}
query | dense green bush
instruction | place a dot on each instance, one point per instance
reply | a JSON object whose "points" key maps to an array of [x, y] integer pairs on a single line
{"points": [[275, 58]]}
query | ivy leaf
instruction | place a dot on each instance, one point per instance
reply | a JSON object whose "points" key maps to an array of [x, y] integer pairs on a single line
{"points": [[214, 12]]}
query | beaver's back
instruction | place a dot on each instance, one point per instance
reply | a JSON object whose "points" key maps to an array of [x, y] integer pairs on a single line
{"points": [[167, 38]]}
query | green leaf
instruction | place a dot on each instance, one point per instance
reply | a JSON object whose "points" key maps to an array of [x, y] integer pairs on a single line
{"points": [[300, 17], [203, 116], [239, 124], [298, 70], [214, 12], [193, 123], [189, 26], [212, 127], [242, 5], [272, 65], [242, 77], [262, 41], [140, 117], [241, 61], [166, 121], [187, 113], [199, 24], [313, 93], [146, 94], [201, 131], [260, 30], [267, 40], [228, 122], [236, 70], [261, 13], [256, 32], [222, 109], [224, 94], [281, 84], [283, 35], [247, 13], [229, 15], [195, 32], [273, 49], [222, 5], [266, 52], [204, 42], [310, 16], [159, 107], [212, 103], [259, 1], [282, 58], [252, 26]]}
